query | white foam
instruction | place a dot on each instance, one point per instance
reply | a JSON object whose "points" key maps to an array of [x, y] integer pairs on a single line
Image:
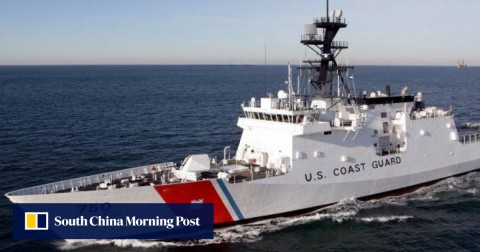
{"points": [[75, 244], [401, 218], [345, 210]]}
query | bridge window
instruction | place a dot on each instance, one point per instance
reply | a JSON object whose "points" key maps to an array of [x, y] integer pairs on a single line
{"points": [[385, 127]]}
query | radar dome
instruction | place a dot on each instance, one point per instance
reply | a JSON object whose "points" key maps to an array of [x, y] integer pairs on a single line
{"points": [[282, 94]]}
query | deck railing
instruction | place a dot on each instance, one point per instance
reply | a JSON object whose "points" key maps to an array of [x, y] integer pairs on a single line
{"points": [[472, 138], [330, 20], [79, 183], [311, 37]]}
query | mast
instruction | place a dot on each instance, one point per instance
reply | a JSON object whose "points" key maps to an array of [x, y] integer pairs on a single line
{"points": [[327, 49], [327, 12]]}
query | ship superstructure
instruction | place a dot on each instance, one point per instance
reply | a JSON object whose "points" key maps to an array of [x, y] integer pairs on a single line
{"points": [[461, 64], [299, 150]]}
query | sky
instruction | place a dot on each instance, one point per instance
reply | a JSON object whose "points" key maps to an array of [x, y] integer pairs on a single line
{"points": [[379, 32]]}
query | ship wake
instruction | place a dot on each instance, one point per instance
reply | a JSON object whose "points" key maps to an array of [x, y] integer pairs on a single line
{"points": [[351, 211]]}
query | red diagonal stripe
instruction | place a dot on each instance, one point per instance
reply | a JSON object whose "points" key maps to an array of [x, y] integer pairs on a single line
{"points": [[194, 191]]}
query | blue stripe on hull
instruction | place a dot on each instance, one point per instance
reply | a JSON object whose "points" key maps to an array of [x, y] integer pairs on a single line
{"points": [[230, 199]]}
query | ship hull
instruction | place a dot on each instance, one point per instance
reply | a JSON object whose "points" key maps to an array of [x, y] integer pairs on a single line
{"points": [[240, 202]]}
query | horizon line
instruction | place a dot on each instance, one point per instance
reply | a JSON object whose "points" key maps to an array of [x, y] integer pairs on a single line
{"points": [[218, 64]]}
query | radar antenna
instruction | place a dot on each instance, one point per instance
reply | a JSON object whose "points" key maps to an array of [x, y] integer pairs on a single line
{"points": [[324, 46]]}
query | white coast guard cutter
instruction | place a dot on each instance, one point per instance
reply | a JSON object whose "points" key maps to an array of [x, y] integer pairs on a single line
{"points": [[298, 150]]}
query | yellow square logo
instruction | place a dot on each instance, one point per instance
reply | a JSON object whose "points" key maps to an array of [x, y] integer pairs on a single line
{"points": [[36, 221]]}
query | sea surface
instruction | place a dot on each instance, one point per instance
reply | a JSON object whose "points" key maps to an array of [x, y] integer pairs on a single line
{"points": [[59, 122]]}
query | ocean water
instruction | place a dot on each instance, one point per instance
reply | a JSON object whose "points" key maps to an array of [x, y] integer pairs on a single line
{"points": [[59, 122]]}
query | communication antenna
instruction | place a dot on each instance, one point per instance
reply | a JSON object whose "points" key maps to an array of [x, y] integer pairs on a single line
{"points": [[265, 56], [265, 67]]}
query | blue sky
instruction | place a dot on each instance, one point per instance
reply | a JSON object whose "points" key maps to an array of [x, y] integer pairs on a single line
{"points": [[401, 32]]}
